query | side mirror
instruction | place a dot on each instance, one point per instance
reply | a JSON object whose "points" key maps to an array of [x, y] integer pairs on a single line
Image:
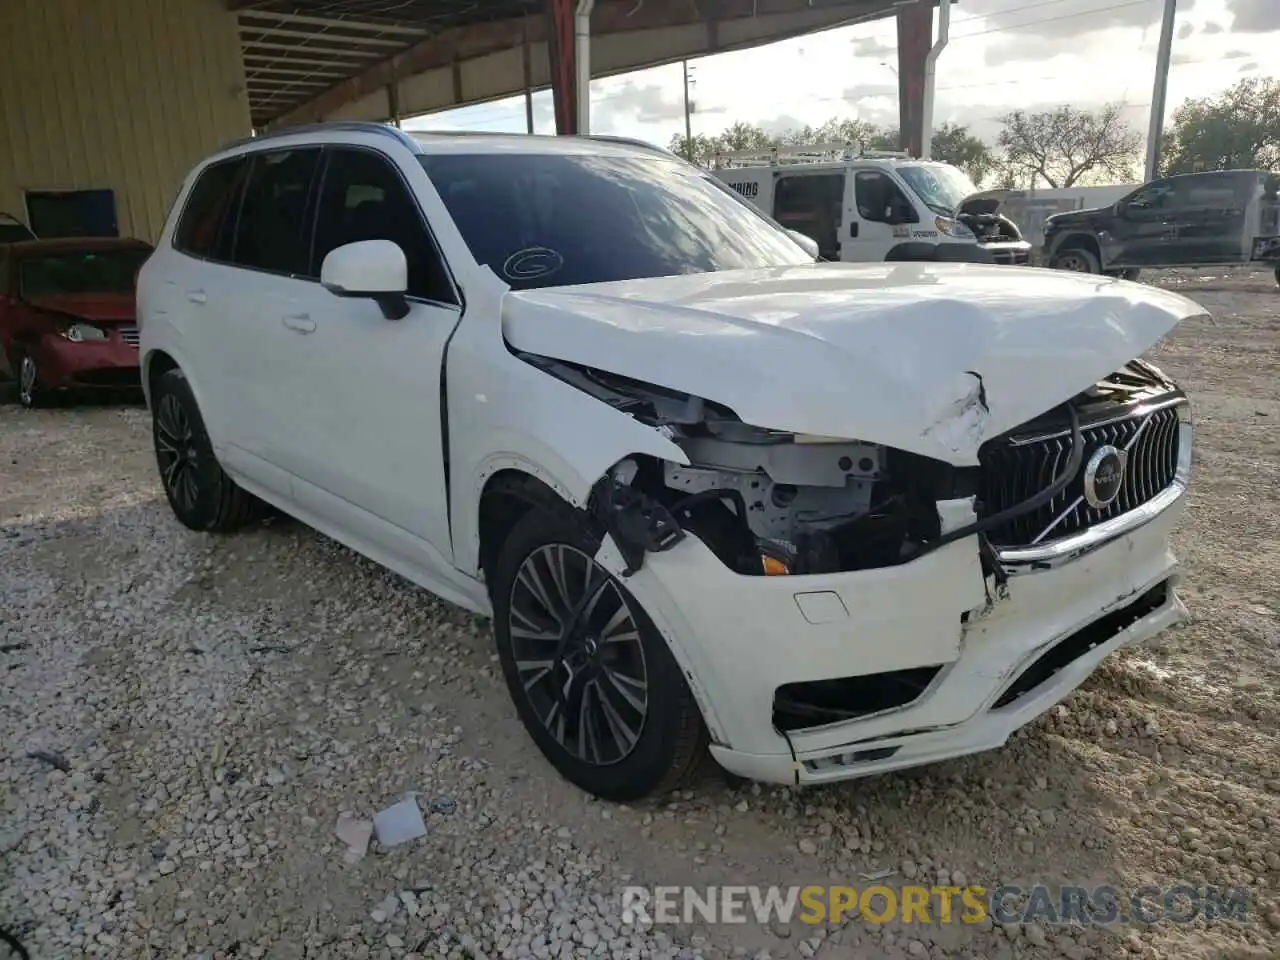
{"points": [[370, 269], [809, 245]]}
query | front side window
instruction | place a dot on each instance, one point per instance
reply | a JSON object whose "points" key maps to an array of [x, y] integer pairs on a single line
{"points": [[80, 271], [204, 229], [880, 199], [271, 232], [553, 219], [1157, 195], [364, 198]]}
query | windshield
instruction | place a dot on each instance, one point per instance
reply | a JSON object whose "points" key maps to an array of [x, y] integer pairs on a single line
{"points": [[81, 271], [551, 219], [940, 186]]}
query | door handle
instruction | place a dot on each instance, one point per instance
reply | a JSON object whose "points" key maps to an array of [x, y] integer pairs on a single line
{"points": [[299, 322], [197, 296], [853, 229]]}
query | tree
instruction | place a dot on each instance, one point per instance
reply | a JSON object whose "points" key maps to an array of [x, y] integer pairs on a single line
{"points": [[954, 144], [700, 150], [1062, 145], [1239, 129]]}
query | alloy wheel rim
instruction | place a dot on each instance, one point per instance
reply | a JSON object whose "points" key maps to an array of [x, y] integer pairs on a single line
{"points": [[176, 452], [576, 645], [1074, 263], [26, 379]]}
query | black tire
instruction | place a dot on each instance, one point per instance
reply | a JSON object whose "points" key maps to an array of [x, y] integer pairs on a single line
{"points": [[200, 493], [1077, 260], [31, 392], [667, 743]]}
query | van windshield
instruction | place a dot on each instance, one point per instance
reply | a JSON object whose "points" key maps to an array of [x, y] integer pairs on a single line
{"points": [[942, 187], [553, 219]]}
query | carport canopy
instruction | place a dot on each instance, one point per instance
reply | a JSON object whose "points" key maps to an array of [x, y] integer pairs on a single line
{"points": [[308, 60]]}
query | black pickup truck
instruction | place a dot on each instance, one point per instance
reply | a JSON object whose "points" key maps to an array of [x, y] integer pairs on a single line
{"points": [[1219, 218]]}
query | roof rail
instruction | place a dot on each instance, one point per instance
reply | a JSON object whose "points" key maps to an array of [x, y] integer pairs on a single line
{"points": [[628, 141], [351, 126], [803, 153]]}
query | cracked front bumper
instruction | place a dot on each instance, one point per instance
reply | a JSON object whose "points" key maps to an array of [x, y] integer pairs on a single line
{"points": [[739, 638]]}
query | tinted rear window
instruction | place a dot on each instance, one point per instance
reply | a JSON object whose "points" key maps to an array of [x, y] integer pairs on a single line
{"points": [[212, 203], [542, 220]]}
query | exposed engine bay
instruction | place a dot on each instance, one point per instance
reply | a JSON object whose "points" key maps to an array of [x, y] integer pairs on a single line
{"points": [[991, 227], [773, 503]]}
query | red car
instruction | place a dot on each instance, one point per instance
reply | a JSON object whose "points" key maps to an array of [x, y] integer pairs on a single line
{"points": [[68, 317]]}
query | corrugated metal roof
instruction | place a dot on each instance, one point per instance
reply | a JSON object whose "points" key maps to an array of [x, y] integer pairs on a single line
{"points": [[296, 49]]}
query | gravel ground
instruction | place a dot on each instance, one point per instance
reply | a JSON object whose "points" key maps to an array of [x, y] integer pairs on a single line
{"points": [[219, 702]]}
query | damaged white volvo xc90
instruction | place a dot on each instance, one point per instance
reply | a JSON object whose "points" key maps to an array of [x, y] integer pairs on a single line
{"points": [[828, 519]]}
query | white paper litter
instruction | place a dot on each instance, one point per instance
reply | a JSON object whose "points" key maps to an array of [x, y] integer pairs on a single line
{"points": [[399, 823]]}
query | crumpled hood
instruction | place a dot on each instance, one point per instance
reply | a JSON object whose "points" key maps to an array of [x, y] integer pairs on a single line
{"points": [[930, 358], [95, 307], [983, 202]]}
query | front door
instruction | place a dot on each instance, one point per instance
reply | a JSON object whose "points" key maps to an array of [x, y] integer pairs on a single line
{"points": [[1145, 229], [812, 204], [360, 394], [880, 217]]}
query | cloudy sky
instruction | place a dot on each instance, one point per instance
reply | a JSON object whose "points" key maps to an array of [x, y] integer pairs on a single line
{"points": [[1003, 54]]}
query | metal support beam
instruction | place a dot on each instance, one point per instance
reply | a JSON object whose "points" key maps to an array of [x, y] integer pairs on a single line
{"points": [[1155, 130], [527, 57], [582, 63], [915, 35], [930, 76], [561, 49]]}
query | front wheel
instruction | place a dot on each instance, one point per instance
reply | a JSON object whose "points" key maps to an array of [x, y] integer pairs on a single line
{"points": [[1076, 260], [592, 678], [200, 493]]}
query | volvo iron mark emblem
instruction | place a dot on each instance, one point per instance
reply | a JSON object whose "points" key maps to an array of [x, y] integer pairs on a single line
{"points": [[1103, 476]]}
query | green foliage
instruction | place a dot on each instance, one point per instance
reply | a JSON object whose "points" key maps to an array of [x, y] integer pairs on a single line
{"points": [[1237, 130]]}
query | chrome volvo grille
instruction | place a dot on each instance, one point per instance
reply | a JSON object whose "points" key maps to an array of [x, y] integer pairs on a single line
{"points": [[1012, 470], [129, 335]]}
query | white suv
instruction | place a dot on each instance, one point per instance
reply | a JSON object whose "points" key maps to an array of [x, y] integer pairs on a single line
{"points": [[830, 519]]}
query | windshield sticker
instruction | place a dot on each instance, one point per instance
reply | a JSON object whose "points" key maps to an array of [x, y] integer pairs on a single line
{"points": [[532, 263]]}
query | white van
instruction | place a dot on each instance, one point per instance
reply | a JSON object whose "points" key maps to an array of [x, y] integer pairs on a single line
{"points": [[868, 206]]}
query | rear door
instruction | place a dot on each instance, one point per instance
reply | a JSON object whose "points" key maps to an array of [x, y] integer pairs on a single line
{"points": [[812, 204], [1212, 217]]}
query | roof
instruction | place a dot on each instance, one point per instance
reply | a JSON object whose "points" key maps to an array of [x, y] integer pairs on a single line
{"points": [[295, 49], [74, 244]]}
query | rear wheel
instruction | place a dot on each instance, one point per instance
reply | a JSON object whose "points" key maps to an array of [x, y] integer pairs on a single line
{"points": [[1076, 260], [200, 493], [592, 678], [31, 392]]}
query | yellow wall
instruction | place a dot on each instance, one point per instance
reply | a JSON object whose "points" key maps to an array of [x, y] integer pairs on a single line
{"points": [[119, 94]]}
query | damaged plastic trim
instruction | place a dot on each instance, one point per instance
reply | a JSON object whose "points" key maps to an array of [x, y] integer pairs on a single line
{"points": [[637, 523]]}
